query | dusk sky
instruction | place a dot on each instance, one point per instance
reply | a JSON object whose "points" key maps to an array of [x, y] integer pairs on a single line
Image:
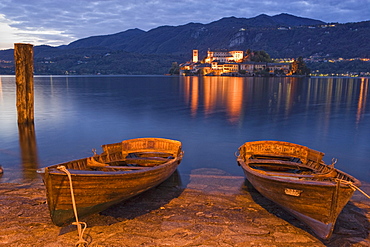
{"points": [[61, 22]]}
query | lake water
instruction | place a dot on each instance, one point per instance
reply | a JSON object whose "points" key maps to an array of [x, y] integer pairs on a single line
{"points": [[212, 116]]}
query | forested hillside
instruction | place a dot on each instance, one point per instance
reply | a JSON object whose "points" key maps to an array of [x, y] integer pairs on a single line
{"points": [[136, 51]]}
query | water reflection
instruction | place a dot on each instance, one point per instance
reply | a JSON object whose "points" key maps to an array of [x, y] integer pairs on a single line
{"points": [[214, 92], [212, 116], [362, 99], [192, 94], [28, 147], [1, 90], [236, 96]]}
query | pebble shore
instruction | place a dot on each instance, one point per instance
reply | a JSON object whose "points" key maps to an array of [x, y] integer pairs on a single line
{"points": [[211, 208]]}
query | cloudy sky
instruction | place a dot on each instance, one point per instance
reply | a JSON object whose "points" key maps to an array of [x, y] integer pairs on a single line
{"points": [[63, 21]]}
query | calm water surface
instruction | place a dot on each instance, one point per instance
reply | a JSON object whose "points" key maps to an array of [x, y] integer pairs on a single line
{"points": [[212, 116]]}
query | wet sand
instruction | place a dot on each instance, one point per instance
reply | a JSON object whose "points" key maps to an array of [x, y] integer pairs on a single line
{"points": [[212, 208]]}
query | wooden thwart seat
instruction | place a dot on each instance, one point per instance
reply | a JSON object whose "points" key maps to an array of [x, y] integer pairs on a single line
{"points": [[142, 162], [278, 163], [150, 154]]}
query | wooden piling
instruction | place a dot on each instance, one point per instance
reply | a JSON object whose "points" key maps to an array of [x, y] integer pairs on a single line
{"points": [[23, 58]]}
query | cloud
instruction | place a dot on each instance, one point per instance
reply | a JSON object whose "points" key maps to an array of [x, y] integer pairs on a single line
{"points": [[63, 21]]}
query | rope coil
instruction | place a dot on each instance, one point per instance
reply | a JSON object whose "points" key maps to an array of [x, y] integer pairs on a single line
{"points": [[81, 242]]}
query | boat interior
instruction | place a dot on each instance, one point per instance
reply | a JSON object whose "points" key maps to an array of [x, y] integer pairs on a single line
{"points": [[293, 168], [133, 161]]}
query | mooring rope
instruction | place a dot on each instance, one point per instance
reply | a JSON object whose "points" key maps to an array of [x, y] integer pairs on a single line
{"points": [[81, 241], [357, 188], [354, 187]]}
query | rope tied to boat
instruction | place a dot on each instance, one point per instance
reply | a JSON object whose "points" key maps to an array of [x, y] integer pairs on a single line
{"points": [[81, 242], [354, 187]]}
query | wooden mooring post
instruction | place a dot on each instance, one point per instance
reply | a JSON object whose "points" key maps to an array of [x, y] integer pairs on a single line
{"points": [[23, 58]]}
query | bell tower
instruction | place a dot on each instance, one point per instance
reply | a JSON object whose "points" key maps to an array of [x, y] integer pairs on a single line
{"points": [[195, 56]]}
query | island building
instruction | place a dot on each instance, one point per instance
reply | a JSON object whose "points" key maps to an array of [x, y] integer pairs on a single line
{"points": [[224, 62]]}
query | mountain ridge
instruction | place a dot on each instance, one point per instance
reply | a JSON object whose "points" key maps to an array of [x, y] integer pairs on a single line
{"points": [[281, 36], [262, 20]]}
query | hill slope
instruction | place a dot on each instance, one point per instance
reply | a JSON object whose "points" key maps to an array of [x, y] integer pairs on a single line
{"points": [[136, 51]]}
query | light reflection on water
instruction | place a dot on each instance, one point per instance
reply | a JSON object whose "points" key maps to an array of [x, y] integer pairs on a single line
{"points": [[212, 116]]}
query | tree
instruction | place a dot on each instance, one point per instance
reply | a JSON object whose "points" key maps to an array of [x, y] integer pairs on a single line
{"points": [[248, 54], [299, 67], [261, 56], [174, 69]]}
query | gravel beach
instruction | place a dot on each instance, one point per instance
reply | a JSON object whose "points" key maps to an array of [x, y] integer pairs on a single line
{"points": [[211, 208]]}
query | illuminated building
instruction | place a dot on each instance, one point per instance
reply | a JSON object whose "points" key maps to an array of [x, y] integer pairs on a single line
{"points": [[223, 62]]}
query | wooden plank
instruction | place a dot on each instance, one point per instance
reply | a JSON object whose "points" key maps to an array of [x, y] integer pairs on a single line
{"points": [[122, 167], [151, 154], [146, 159], [91, 163]]}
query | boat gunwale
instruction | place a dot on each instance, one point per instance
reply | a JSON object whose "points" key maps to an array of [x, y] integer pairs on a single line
{"points": [[176, 153], [83, 172], [288, 179], [241, 159]]}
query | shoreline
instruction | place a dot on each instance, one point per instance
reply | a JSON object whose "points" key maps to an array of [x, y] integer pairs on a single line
{"points": [[213, 208]]}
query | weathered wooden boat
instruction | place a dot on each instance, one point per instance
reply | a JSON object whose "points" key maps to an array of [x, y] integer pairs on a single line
{"points": [[296, 178], [121, 171]]}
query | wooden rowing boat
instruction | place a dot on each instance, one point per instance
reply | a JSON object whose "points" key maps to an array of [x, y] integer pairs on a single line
{"points": [[296, 178], [121, 171]]}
